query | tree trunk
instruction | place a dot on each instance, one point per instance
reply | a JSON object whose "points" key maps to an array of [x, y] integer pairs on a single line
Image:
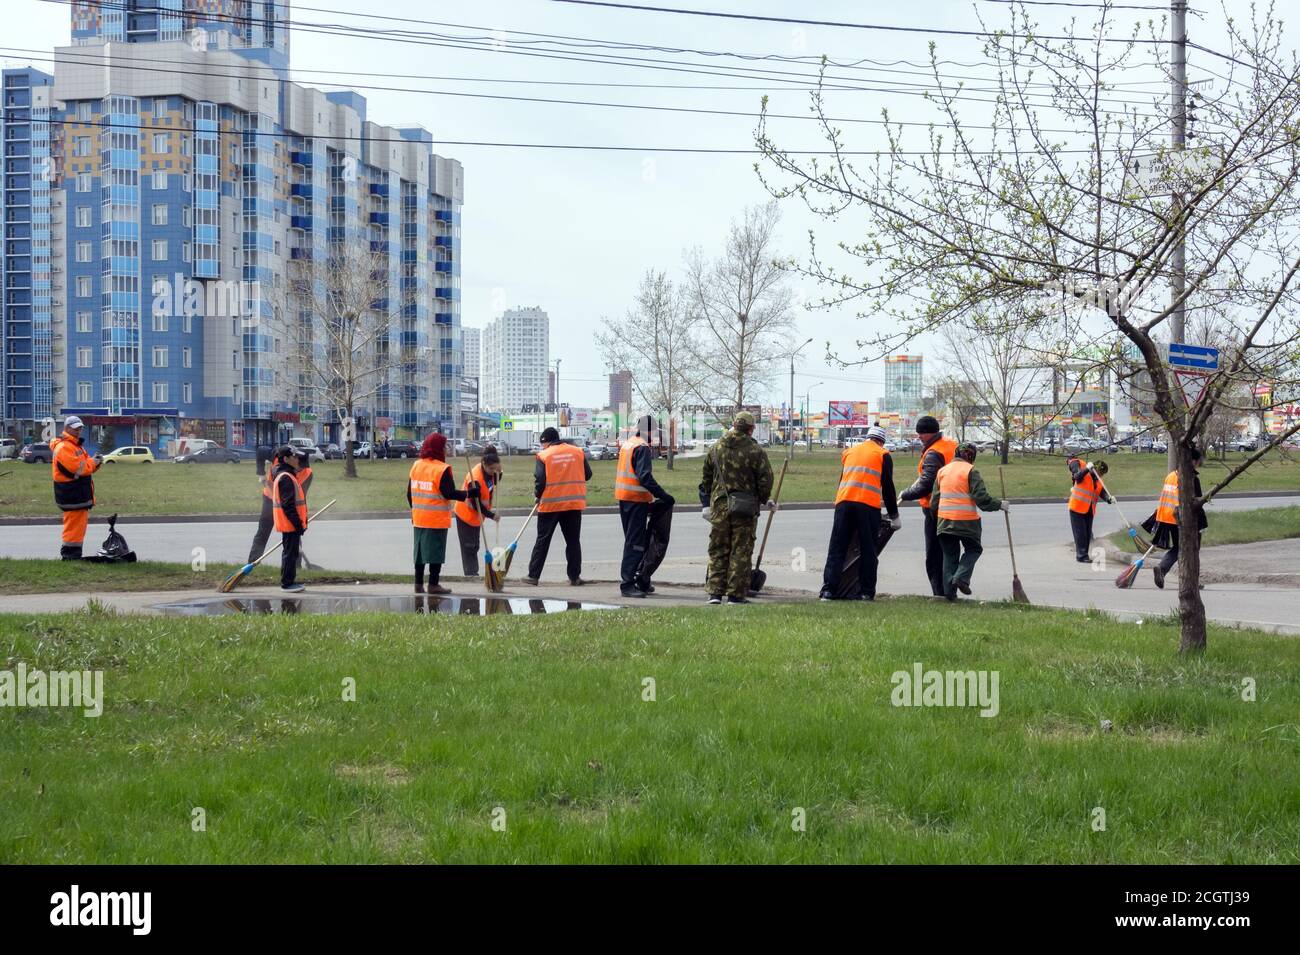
{"points": [[672, 439], [349, 461], [1191, 609]]}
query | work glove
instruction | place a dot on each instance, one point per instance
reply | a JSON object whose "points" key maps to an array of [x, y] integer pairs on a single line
{"points": [[773, 506], [706, 513], [474, 491], [1005, 505], [896, 522], [497, 517], [668, 499], [1110, 498]]}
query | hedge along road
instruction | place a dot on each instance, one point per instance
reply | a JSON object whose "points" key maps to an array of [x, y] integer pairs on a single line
{"points": [[181, 490], [795, 556]]}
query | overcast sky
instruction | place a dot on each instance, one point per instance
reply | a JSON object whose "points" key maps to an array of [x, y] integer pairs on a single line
{"points": [[572, 231]]}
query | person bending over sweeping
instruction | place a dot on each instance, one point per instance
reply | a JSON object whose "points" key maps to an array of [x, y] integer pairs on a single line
{"points": [[962, 495], [469, 519], [1163, 524], [429, 492], [1085, 490]]}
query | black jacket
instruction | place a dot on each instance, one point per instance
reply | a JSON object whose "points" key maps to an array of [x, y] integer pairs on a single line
{"points": [[923, 486], [287, 505]]}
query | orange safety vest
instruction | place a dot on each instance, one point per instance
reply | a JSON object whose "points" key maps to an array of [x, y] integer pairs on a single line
{"points": [[566, 481], [1167, 509], [945, 446], [626, 485], [1085, 494], [299, 502], [466, 512], [860, 474], [75, 493], [955, 502], [428, 507]]}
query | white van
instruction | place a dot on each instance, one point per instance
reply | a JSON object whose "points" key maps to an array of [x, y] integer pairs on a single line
{"points": [[8, 449]]}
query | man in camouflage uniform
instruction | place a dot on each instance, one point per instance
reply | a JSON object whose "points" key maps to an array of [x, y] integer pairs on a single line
{"points": [[735, 464]]}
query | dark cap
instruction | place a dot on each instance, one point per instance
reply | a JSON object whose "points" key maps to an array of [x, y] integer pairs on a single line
{"points": [[927, 424], [550, 436], [966, 451]]}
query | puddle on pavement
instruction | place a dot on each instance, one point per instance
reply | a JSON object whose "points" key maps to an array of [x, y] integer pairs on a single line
{"points": [[334, 604]]}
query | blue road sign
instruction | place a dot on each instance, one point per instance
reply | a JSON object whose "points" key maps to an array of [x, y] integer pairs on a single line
{"points": [[1193, 356]]}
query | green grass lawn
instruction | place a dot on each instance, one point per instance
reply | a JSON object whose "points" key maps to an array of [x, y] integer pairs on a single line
{"points": [[166, 488], [760, 711], [23, 576], [1242, 527]]}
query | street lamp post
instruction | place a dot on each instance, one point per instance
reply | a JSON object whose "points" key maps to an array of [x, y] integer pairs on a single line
{"points": [[789, 453], [557, 393]]}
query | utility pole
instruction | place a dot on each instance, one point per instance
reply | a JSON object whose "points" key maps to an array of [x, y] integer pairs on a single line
{"points": [[789, 452], [557, 393], [1178, 277]]}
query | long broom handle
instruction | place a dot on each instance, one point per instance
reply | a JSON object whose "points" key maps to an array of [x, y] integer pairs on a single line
{"points": [[527, 520], [771, 514], [281, 542], [1002, 478], [1104, 489]]}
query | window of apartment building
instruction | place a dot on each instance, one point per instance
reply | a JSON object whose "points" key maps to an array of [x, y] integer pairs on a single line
{"points": [[160, 356], [187, 392], [161, 143], [160, 180], [160, 213], [83, 286], [81, 146], [234, 394], [187, 323], [234, 360], [159, 322], [83, 182], [185, 145], [83, 251], [187, 358], [83, 111], [159, 250], [187, 217], [83, 217], [186, 253], [187, 182], [85, 322], [160, 392], [85, 393], [84, 357]]}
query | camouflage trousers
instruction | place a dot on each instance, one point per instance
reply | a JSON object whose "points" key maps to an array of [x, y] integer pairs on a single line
{"points": [[731, 551]]}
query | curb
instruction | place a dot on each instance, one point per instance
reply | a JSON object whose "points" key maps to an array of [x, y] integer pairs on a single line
{"points": [[523, 511]]}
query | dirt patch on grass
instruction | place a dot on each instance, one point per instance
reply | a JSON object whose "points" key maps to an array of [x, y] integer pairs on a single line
{"points": [[1161, 734], [381, 774]]}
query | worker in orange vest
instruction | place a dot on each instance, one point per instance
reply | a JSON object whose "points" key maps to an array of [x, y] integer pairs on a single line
{"points": [[1163, 524], [74, 490], [1085, 490], [430, 489], [471, 513], [936, 453], [957, 505], [866, 483], [635, 489], [560, 482], [290, 503]]}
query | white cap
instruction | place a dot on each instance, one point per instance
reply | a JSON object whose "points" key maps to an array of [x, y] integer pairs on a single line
{"points": [[72, 422], [877, 432]]}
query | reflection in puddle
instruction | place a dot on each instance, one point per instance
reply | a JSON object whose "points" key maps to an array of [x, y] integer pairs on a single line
{"points": [[332, 603]]}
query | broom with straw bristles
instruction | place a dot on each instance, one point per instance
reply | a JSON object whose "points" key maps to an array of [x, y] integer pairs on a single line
{"points": [[1017, 590], [1125, 580]]}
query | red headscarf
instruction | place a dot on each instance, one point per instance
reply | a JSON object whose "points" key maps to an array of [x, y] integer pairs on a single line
{"points": [[434, 447]]}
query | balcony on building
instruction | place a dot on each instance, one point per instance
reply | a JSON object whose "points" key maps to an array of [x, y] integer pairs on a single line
{"points": [[379, 245], [300, 158], [301, 222], [379, 218], [379, 189], [304, 189], [301, 252], [442, 318], [442, 266]]}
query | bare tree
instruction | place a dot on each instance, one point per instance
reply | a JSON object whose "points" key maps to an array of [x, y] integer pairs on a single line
{"points": [[1040, 197], [740, 306], [654, 343], [347, 351]]}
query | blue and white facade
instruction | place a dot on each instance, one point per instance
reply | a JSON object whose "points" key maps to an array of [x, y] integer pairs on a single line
{"points": [[158, 222]]}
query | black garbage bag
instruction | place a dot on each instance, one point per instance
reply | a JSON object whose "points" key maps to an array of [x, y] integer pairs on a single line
{"points": [[849, 588], [661, 527], [115, 549]]}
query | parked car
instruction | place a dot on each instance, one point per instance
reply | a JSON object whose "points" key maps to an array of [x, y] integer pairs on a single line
{"points": [[212, 455], [599, 452], [308, 446], [8, 448], [36, 454], [132, 454], [362, 450], [399, 449]]}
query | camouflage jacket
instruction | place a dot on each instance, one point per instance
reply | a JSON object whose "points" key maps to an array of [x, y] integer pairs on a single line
{"points": [[735, 463]]}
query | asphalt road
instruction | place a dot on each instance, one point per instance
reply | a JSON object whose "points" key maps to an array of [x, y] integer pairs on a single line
{"points": [[794, 558]]}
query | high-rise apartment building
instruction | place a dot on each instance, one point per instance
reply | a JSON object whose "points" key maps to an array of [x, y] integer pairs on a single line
{"points": [[163, 213], [515, 359], [620, 389], [472, 341]]}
